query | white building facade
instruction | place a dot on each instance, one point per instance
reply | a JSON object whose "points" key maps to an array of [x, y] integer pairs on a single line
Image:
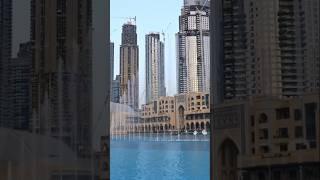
{"points": [[193, 47], [155, 81]]}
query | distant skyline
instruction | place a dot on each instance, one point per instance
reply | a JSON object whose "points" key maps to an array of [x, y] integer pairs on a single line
{"points": [[157, 16]]}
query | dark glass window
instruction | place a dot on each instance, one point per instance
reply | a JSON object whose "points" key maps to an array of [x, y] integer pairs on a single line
{"points": [[310, 120], [265, 149], [312, 144], [263, 134], [252, 137], [283, 147], [252, 120], [300, 146], [263, 118], [283, 133], [298, 131], [283, 113], [253, 150], [297, 114]]}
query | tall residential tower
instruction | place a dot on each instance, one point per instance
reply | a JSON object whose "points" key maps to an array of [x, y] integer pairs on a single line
{"points": [[265, 48], [61, 32], [129, 66], [20, 87], [155, 83], [5, 55], [265, 76], [193, 47], [112, 60]]}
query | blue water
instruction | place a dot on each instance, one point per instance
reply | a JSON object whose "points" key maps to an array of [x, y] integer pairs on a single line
{"points": [[165, 157]]}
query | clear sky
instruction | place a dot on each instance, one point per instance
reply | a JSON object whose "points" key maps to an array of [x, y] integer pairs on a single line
{"points": [[152, 16]]}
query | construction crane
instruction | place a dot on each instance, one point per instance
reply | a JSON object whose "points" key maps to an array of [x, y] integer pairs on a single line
{"points": [[203, 5], [164, 33], [131, 20]]}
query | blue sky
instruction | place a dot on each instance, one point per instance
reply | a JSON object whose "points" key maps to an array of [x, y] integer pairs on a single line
{"points": [[152, 16]]}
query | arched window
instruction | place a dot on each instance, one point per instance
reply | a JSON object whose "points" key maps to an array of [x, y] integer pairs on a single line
{"points": [[263, 118], [227, 155], [202, 125]]}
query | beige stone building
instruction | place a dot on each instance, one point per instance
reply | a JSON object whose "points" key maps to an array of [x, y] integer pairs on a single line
{"points": [[267, 138], [171, 113], [265, 67]]}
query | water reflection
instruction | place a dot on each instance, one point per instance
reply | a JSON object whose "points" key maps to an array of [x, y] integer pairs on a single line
{"points": [[167, 160]]}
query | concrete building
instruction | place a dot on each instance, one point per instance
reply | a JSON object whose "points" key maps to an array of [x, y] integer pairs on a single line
{"points": [[193, 47], [178, 113], [62, 72], [155, 81], [129, 66], [158, 116], [265, 48], [267, 138], [266, 102], [115, 91], [5, 56], [20, 88], [112, 60]]}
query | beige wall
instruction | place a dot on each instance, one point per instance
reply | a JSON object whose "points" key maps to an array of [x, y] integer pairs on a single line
{"points": [[241, 121]]}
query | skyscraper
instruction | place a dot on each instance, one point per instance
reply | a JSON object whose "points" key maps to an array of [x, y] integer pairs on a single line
{"points": [[265, 51], [62, 71], [5, 56], [115, 91], [265, 61], [193, 47], [129, 66], [20, 88], [112, 60], [155, 83]]}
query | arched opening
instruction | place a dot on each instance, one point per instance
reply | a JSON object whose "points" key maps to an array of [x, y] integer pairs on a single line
{"points": [[202, 125], [192, 126], [165, 127], [197, 126], [263, 118], [161, 127], [181, 116], [188, 126], [228, 154], [153, 128], [149, 128]]}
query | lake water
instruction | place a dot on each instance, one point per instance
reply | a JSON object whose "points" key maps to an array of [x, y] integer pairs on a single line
{"points": [[152, 157]]}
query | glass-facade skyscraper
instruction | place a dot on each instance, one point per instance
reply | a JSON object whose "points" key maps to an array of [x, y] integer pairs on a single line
{"points": [[5, 55]]}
